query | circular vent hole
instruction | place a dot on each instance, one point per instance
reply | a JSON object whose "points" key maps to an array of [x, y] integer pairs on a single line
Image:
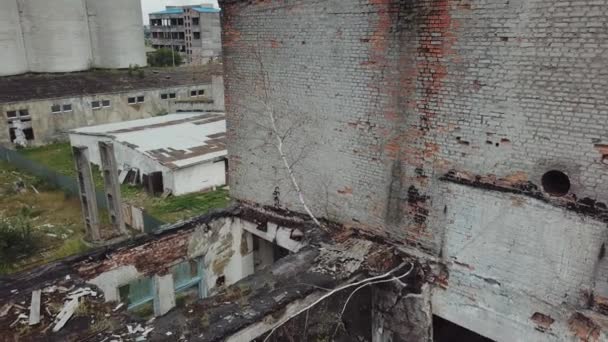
{"points": [[556, 183]]}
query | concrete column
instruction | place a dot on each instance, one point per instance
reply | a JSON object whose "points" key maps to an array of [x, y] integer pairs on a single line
{"points": [[112, 186], [86, 188], [217, 89], [164, 294], [401, 317]]}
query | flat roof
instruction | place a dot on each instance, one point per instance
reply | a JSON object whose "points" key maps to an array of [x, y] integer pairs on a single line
{"points": [[174, 140], [29, 87], [200, 9]]}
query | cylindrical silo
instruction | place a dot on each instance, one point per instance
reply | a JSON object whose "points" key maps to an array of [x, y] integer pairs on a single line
{"points": [[12, 51], [56, 35], [117, 33]]}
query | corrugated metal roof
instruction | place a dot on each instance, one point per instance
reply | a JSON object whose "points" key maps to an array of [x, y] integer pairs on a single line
{"points": [[174, 140]]}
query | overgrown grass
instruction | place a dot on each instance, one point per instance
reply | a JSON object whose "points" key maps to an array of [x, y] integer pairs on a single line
{"points": [[56, 156], [55, 220], [180, 207]]}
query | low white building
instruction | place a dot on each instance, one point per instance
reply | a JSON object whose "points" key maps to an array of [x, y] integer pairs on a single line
{"points": [[188, 149]]}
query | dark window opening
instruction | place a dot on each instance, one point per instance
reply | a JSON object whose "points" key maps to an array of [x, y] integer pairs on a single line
{"points": [[172, 95], [140, 99], [196, 35], [182, 35], [105, 103], [67, 108], [164, 96], [132, 100], [201, 92], [25, 112], [193, 93], [12, 135], [29, 133], [180, 21], [195, 21], [173, 22], [96, 104], [11, 114], [446, 331], [556, 183], [55, 109]]}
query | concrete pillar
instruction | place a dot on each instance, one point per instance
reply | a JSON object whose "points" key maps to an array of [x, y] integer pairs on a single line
{"points": [[112, 186], [164, 294], [217, 89], [400, 317], [86, 188]]}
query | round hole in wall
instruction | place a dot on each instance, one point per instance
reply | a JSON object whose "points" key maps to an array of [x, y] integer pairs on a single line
{"points": [[556, 183]]}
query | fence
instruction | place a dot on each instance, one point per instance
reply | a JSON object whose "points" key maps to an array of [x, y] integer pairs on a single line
{"points": [[67, 184]]}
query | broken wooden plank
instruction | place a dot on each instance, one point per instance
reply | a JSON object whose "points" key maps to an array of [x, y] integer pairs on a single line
{"points": [[5, 309], [35, 307], [66, 313]]}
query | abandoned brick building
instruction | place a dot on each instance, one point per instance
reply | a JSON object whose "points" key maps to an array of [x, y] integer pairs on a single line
{"points": [[470, 133], [445, 159]]}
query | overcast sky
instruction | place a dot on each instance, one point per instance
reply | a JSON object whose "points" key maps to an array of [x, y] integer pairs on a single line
{"points": [[159, 5]]}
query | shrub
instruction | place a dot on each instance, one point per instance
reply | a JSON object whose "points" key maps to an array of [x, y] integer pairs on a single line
{"points": [[164, 58], [17, 237]]}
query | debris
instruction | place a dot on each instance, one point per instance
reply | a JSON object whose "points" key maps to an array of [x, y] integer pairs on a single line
{"points": [[50, 289], [147, 331], [168, 333], [5, 309], [19, 318], [66, 313], [51, 235], [35, 190], [35, 307], [14, 291], [118, 307], [67, 277]]}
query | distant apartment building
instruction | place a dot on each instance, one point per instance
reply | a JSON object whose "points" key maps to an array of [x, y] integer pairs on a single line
{"points": [[192, 31], [37, 109]]}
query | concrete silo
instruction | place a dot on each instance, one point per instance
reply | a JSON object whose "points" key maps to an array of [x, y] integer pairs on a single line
{"points": [[117, 33], [56, 35], [12, 51]]}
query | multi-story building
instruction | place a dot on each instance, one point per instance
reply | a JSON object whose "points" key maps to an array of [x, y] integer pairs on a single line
{"points": [[41, 108], [192, 31]]}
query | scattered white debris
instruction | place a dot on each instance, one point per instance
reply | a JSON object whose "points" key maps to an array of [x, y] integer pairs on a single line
{"points": [[50, 289], [51, 235], [118, 307], [35, 307], [5, 309], [147, 331], [168, 333], [19, 318], [14, 291], [65, 314], [71, 306], [67, 277]]}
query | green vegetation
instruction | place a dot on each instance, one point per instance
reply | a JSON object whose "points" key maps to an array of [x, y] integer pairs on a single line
{"points": [[59, 158], [56, 156], [38, 223], [164, 58], [180, 207]]}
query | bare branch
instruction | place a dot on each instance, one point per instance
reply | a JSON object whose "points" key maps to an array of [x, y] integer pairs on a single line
{"points": [[280, 141], [334, 291]]}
